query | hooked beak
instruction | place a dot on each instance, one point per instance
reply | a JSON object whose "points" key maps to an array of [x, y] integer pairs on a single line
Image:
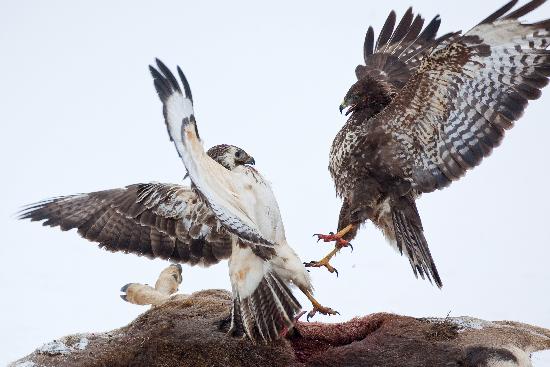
{"points": [[343, 106], [250, 161]]}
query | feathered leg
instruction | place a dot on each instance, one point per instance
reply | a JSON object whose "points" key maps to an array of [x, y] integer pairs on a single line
{"points": [[143, 294]]}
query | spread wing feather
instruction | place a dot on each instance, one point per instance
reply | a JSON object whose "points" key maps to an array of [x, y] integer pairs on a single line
{"points": [[263, 305], [222, 189], [398, 51], [154, 220], [455, 108]]}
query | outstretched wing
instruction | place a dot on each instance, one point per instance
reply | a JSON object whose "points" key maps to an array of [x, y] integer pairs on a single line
{"points": [[397, 52], [156, 220], [263, 305], [454, 110], [223, 190]]}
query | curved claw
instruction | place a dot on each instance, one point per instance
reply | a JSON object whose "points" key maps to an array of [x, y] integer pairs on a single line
{"points": [[318, 264], [326, 237], [350, 246], [324, 310], [298, 315]]}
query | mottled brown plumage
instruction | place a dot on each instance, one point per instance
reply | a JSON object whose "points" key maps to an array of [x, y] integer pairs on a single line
{"points": [[424, 111], [156, 220]]}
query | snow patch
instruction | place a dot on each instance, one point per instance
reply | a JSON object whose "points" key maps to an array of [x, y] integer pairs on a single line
{"points": [[462, 322], [57, 347], [26, 364], [467, 322], [82, 343], [54, 348]]}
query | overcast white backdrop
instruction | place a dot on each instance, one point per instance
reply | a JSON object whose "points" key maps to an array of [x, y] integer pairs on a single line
{"points": [[79, 113]]}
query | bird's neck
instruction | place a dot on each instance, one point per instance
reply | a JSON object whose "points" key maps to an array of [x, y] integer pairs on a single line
{"points": [[379, 96]]}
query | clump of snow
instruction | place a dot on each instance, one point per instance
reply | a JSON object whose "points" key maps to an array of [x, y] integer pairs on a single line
{"points": [[467, 322], [462, 322], [64, 347], [26, 364], [82, 343], [54, 348]]}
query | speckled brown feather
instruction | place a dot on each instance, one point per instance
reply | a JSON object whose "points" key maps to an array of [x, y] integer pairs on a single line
{"points": [[461, 94], [154, 220]]}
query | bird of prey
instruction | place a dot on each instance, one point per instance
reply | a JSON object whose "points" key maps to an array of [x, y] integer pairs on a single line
{"points": [[423, 111], [228, 212]]}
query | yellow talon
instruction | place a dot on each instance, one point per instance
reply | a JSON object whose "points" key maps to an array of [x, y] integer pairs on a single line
{"points": [[340, 242], [317, 307]]}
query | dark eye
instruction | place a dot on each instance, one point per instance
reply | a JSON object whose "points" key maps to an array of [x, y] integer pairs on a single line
{"points": [[238, 154]]}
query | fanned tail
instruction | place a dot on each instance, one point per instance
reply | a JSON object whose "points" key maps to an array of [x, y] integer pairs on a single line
{"points": [[266, 314], [409, 235], [263, 305]]}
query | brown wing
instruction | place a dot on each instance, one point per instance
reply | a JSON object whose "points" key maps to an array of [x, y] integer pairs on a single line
{"points": [[453, 111], [156, 220], [398, 52]]}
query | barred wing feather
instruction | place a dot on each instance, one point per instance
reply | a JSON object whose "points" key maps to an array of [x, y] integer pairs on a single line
{"points": [[455, 108], [155, 220]]}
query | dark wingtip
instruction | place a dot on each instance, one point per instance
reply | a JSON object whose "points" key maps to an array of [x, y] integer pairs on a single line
{"points": [[431, 29], [160, 64], [34, 211], [125, 288], [162, 87], [186, 86], [403, 27], [165, 82], [22, 213], [170, 78], [500, 12], [525, 9], [368, 47], [123, 296], [436, 278], [387, 31]]}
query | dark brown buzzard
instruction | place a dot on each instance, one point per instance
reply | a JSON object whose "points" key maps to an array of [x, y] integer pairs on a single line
{"points": [[424, 111]]}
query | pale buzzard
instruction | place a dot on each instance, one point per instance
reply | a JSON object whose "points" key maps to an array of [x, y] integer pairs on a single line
{"points": [[424, 111], [229, 212]]}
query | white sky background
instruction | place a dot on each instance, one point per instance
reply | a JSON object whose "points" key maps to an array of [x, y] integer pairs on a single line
{"points": [[79, 113]]}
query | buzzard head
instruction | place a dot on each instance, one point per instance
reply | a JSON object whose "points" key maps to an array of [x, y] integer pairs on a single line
{"points": [[230, 156], [369, 94]]}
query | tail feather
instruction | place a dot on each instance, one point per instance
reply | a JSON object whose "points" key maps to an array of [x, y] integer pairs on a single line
{"points": [[267, 313], [410, 236]]}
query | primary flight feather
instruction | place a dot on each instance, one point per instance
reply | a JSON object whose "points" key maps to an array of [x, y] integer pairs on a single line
{"points": [[262, 264]]}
